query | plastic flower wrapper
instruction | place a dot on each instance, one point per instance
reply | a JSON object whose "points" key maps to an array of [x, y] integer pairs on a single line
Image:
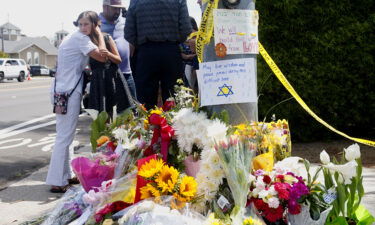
{"points": [[305, 218], [70, 207], [164, 210], [236, 157], [91, 173]]}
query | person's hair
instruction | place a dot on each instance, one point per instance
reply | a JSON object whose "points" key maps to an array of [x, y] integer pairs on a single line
{"points": [[94, 19], [193, 23]]}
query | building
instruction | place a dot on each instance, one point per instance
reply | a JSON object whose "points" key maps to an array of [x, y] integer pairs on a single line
{"points": [[10, 32], [59, 37], [34, 50]]}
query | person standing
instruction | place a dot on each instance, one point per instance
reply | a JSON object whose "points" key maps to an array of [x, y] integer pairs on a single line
{"points": [[113, 25], [156, 28], [72, 57], [102, 86]]}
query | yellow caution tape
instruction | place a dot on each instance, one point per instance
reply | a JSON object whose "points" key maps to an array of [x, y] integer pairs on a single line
{"points": [[206, 28], [192, 35], [275, 69]]}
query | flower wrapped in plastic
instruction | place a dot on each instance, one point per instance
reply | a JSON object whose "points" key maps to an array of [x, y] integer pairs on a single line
{"points": [[165, 210], [236, 159], [305, 218], [68, 209], [91, 173]]}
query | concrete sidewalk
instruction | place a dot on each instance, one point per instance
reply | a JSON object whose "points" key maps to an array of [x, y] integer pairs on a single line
{"points": [[30, 198]]}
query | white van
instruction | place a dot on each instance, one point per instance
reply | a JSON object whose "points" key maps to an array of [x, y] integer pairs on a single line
{"points": [[13, 68]]}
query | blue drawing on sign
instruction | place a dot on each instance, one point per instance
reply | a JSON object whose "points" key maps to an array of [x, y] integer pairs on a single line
{"points": [[225, 90]]}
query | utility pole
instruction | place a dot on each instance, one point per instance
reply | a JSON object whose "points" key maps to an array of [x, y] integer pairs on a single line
{"points": [[238, 112], [2, 40]]}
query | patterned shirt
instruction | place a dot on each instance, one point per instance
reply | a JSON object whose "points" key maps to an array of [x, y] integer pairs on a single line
{"points": [[157, 21]]}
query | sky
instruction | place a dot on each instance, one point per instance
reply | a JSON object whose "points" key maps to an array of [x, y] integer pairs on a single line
{"points": [[45, 17]]}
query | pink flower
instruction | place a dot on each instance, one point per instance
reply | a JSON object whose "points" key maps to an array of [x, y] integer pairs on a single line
{"points": [[283, 190]]}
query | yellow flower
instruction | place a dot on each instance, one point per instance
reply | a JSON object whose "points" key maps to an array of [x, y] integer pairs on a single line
{"points": [[181, 198], [290, 179], [129, 197], [151, 168], [149, 191], [188, 186], [167, 178], [145, 124], [158, 111], [251, 221]]}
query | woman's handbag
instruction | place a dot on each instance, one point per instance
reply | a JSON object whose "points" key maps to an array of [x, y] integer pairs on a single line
{"points": [[60, 100]]}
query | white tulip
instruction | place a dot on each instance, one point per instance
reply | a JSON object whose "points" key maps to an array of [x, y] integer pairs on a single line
{"points": [[348, 170], [324, 157], [352, 152]]}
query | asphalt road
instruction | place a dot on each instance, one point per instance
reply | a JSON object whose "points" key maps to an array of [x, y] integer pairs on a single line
{"points": [[27, 128]]}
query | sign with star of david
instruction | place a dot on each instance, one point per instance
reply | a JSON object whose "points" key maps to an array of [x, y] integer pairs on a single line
{"points": [[227, 82]]}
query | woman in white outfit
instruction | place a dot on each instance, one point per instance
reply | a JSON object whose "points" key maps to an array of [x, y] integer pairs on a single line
{"points": [[73, 55]]}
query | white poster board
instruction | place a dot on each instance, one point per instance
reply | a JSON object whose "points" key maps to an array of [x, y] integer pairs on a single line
{"points": [[237, 30], [227, 82]]}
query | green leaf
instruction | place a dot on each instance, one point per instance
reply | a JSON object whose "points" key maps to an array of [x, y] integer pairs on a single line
{"points": [[338, 221], [364, 216], [341, 197]]}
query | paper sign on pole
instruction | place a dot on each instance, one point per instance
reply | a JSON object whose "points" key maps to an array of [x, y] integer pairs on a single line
{"points": [[227, 82], [237, 30]]}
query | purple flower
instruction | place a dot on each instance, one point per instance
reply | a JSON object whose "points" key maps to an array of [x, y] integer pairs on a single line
{"points": [[259, 173], [73, 206], [297, 190]]}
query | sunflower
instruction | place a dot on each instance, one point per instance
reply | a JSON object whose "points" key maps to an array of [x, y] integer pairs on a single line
{"points": [[188, 186], [149, 191], [167, 178], [150, 168], [181, 198]]}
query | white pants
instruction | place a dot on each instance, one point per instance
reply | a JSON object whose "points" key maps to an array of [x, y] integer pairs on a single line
{"points": [[59, 169]]}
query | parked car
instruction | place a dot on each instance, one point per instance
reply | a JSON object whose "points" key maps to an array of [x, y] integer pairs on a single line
{"points": [[13, 68], [52, 72], [39, 70]]}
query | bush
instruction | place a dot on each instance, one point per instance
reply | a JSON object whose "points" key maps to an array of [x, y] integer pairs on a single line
{"points": [[326, 50], [3, 55]]}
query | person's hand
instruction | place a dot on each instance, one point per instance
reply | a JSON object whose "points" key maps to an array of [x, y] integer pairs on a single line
{"points": [[191, 44], [188, 56], [104, 52], [97, 30]]}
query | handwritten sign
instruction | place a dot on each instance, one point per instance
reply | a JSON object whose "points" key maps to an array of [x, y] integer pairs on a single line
{"points": [[237, 30], [227, 82]]}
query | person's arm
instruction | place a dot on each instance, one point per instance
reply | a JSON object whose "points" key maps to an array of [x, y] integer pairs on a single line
{"points": [[96, 54], [130, 30], [184, 24], [112, 55]]}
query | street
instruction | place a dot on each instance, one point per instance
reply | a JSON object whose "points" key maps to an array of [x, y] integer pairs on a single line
{"points": [[27, 128]]}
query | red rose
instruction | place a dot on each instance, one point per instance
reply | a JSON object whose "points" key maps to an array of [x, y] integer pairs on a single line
{"points": [[111, 146], [267, 179], [168, 105]]}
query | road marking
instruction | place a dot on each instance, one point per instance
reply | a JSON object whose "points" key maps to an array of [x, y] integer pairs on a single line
{"points": [[14, 127], [2, 136], [24, 142], [27, 88]]}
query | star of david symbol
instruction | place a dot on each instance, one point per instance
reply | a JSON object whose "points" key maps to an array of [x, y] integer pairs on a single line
{"points": [[225, 90]]}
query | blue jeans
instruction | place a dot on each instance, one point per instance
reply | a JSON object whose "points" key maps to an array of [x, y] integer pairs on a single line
{"points": [[121, 95]]}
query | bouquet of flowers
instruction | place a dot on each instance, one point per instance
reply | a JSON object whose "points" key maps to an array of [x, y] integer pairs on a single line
{"points": [[91, 173], [236, 157], [274, 194], [69, 208], [345, 178], [166, 180]]}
